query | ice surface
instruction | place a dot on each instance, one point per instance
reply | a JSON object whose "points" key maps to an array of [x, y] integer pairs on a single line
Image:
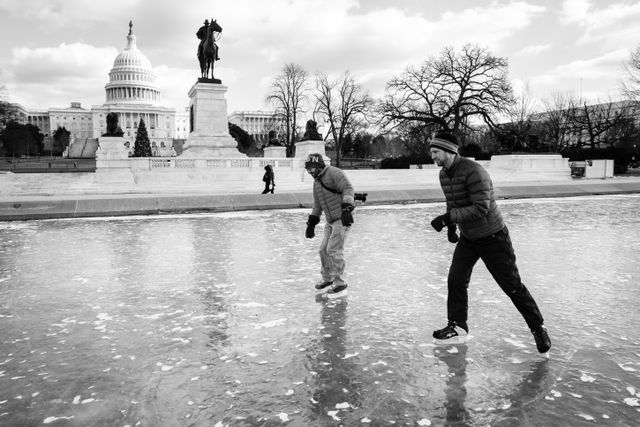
{"points": [[212, 320]]}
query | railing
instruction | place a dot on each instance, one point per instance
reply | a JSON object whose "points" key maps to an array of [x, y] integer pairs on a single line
{"points": [[184, 163], [27, 165], [160, 163], [223, 163]]}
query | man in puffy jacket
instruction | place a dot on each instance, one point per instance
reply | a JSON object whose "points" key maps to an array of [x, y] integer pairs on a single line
{"points": [[472, 207], [333, 196]]}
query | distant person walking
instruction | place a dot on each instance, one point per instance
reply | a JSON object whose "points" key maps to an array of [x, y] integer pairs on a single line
{"points": [[471, 206], [333, 196], [269, 179]]}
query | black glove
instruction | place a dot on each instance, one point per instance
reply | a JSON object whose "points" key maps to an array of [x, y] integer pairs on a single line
{"points": [[441, 222], [452, 236], [347, 218], [311, 225]]}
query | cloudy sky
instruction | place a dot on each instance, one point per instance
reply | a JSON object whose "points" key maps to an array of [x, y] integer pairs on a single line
{"points": [[53, 52]]}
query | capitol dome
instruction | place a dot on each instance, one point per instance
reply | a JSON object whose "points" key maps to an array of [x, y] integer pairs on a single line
{"points": [[131, 78]]}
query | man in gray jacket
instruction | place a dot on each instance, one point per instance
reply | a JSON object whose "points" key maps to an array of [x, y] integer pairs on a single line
{"points": [[333, 196], [472, 207]]}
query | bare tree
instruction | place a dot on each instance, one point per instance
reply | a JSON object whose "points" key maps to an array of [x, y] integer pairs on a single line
{"points": [[602, 124], [450, 91], [288, 92], [8, 111], [344, 104], [557, 120], [631, 88], [416, 137], [518, 132]]}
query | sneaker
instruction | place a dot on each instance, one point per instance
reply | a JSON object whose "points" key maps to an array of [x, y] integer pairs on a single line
{"points": [[337, 291], [453, 333], [322, 286], [542, 339]]}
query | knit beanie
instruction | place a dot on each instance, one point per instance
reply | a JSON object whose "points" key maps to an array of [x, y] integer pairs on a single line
{"points": [[314, 160], [445, 141]]}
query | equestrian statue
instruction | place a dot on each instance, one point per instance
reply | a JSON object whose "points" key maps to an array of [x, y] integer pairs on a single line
{"points": [[208, 34]]}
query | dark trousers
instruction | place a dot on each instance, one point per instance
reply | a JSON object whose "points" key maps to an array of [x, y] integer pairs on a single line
{"points": [[496, 251], [267, 188]]}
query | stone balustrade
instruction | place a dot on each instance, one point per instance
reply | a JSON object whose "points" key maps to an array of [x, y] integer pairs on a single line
{"points": [[244, 175]]}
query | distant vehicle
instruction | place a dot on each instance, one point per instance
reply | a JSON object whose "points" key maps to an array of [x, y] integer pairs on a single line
{"points": [[578, 168]]}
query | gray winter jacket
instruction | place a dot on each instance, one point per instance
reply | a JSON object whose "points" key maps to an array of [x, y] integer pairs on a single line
{"points": [[326, 201]]}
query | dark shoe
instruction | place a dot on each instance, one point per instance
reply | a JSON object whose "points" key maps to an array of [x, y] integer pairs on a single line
{"points": [[542, 339], [322, 286], [337, 291], [453, 333]]}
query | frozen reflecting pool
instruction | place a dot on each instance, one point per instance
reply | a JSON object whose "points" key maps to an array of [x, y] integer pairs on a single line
{"points": [[212, 320]]}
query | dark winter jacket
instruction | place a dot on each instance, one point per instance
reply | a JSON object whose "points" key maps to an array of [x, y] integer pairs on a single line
{"points": [[269, 176], [471, 202], [326, 201]]}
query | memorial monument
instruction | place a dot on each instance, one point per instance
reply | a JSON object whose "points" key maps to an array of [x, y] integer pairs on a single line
{"points": [[208, 120], [312, 142], [111, 143], [274, 147]]}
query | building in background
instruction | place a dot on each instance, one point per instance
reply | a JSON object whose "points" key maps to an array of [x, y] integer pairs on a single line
{"points": [[182, 124], [257, 124], [603, 124], [131, 92]]}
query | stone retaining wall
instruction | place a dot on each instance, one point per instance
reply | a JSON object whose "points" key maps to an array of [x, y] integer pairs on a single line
{"points": [[244, 175]]}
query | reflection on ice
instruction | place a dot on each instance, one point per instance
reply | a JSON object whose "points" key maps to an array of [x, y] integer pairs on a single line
{"points": [[212, 320]]}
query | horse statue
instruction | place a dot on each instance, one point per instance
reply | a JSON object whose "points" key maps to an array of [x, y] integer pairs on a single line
{"points": [[210, 50]]}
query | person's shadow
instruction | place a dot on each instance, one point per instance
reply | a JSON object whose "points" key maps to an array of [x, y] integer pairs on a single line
{"points": [[335, 371], [533, 388], [455, 357]]}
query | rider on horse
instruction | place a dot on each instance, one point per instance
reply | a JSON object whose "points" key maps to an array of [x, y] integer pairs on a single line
{"points": [[207, 48]]}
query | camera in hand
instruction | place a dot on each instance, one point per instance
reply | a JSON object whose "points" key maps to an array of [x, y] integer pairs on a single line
{"points": [[360, 196]]}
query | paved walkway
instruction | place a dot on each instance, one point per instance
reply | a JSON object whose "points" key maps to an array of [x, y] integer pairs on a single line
{"points": [[42, 206]]}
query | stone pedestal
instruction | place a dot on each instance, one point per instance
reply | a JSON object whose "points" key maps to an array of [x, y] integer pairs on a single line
{"points": [[277, 152], [521, 167], [304, 148], [112, 163], [111, 148], [209, 132]]}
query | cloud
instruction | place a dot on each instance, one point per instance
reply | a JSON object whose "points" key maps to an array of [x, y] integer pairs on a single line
{"points": [[533, 50], [603, 24], [63, 13], [585, 73], [594, 68], [373, 40], [52, 76], [488, 25], [373, 45], [575, 12], [42, 95], [53, 64]]}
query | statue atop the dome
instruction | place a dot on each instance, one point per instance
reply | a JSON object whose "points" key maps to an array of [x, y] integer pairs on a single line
{"points": [[112, 125], [208, 49]]}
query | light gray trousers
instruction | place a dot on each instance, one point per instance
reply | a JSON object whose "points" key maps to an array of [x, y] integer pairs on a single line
{"points": [[332, 262]]}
